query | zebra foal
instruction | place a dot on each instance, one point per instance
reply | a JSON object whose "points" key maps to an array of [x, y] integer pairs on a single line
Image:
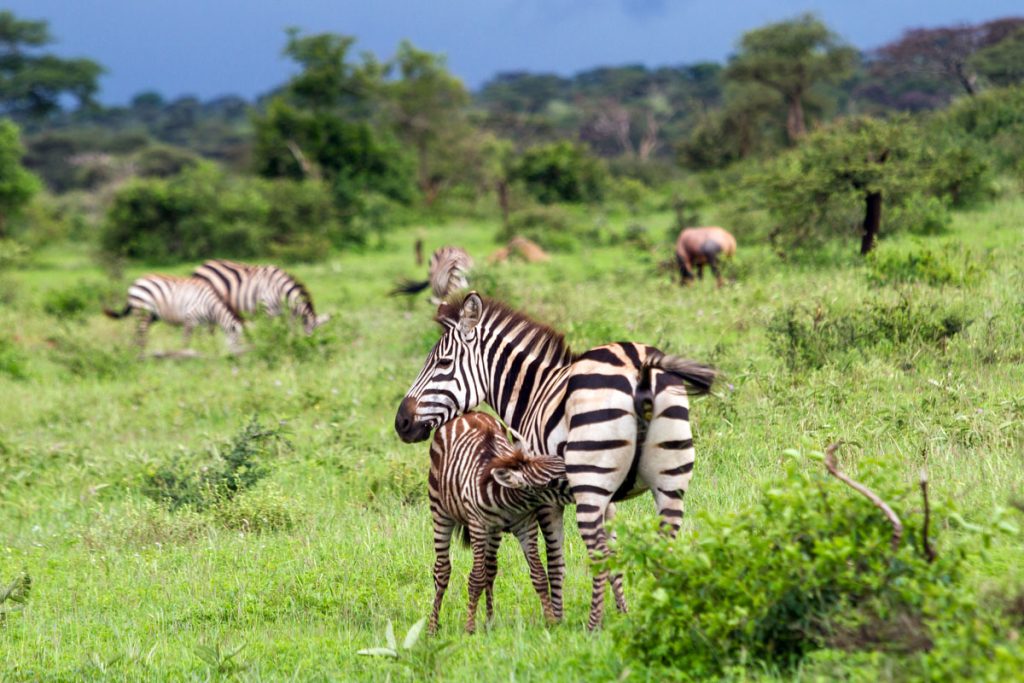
{"points": [[250, 288], [487, 486], [179, 301]]}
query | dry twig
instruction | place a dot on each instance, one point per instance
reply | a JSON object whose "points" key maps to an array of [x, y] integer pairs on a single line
{"points": [[929, 551], [833, 469]]}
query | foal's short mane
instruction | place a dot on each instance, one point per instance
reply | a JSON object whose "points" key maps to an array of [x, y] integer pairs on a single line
{"points": [[548, 343]]}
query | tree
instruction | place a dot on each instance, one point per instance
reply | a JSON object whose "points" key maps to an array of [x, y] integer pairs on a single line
{"points": [[428, 107], [560, 172], [856, 166], [791, 57], [17, 186], [1002, 64], [946, 52], [32, 83]]}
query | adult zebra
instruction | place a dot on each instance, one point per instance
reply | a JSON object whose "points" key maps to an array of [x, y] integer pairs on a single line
{"points": [[249, 288], [584, 407], [448, 273], [179, 301]]}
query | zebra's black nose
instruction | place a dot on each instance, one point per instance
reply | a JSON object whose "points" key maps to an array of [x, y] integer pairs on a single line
{"points": [[408, 429]]}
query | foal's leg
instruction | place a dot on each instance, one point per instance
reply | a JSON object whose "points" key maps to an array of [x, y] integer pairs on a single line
{"points": [[552, 527], [491, 569], [478, 576], [443, 528], [527, 535]]}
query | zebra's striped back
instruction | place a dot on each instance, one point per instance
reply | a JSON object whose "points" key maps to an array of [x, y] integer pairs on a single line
{"points": [[449, 272], [252, 288], [188, 302]]}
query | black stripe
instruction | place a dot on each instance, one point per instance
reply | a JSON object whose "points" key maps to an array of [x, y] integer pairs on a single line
{"points": [[676, 445], [586, 507], [594, 416], [682, 469], [592, 524], [666, 380], [596, 445], [629, 348], [676, 413], [525, 392], [587, 469], [603, 355], [589, 488], [670, 513], [677, 494], [595, 381]]}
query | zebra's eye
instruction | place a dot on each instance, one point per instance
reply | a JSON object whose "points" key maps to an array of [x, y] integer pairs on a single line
{"points": [[444, 363]]}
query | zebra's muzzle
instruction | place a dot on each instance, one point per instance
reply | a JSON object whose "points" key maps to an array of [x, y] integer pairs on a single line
{"points": [[408, 428]]}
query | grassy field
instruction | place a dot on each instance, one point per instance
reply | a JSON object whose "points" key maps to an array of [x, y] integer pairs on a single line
{"points": [[311, 563]]}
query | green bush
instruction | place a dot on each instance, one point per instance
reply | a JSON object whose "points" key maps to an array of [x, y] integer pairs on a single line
{"points": [[84, 356], [163, 161], [948, 264], [13, 362], [808, 337], [810, 567], [202, 482], [74, 302], [552, 227], [994, 119], [202, 212], [560, 172], [281, 340], [264, 508]]}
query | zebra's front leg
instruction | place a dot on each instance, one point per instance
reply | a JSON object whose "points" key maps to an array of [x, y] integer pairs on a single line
{"points": [[443, 528], [527, 535], [478, 575], [553, 528]]}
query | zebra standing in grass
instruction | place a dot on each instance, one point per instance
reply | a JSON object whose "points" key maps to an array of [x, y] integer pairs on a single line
{"points": [[248, 289], [480, 482], [179, 301], [586, 408], [448, 274]]}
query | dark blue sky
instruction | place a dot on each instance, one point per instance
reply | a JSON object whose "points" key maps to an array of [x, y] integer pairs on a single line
{"points": [[214, 47]]}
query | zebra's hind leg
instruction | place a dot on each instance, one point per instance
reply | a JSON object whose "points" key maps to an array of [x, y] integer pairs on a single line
{"points": [[143, 320], [668, 454], [527, 535], [186, 334], [616, 579], [552, 527], [491, 568], [478, 576], [443, 528]]}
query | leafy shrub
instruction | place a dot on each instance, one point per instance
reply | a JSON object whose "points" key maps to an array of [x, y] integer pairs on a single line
{"points": [[300, 219], [261, 509], [201, 483], [13, 362], [994, 119], [87, 357], [919, 215], [949, 264], [811, 338], [552, 227], [280, 340], [71, 303], [809, 567], [163, 161], [560, 172]]}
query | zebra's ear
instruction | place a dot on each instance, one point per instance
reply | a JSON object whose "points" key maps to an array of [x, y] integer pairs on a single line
{"points": [[472, 309], [509, 478]]}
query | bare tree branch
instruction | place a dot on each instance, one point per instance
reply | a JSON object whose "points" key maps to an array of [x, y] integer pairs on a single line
{"points": [[833, 469]]}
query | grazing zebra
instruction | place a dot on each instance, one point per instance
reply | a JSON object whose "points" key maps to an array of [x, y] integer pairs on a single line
{"points": [[585, 408], [448, 273], [248, 289], [480, 482], [696, 247], [179, 301]]}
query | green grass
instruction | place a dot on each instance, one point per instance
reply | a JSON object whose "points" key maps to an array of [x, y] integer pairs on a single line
{"points": [[124, 588]]}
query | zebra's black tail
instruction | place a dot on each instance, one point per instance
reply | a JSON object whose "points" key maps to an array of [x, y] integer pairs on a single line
{"points": [[118, 314], [697, 378], [409, 287]]}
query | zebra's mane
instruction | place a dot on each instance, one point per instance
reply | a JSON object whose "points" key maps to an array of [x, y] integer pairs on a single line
{"points": [[549, 343]]}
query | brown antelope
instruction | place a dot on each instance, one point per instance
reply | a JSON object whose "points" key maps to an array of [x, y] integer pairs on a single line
{"points": [[699, 246]]}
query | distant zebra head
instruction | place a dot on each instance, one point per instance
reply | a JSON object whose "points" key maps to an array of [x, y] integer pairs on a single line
{"points": [[452, 380]]}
